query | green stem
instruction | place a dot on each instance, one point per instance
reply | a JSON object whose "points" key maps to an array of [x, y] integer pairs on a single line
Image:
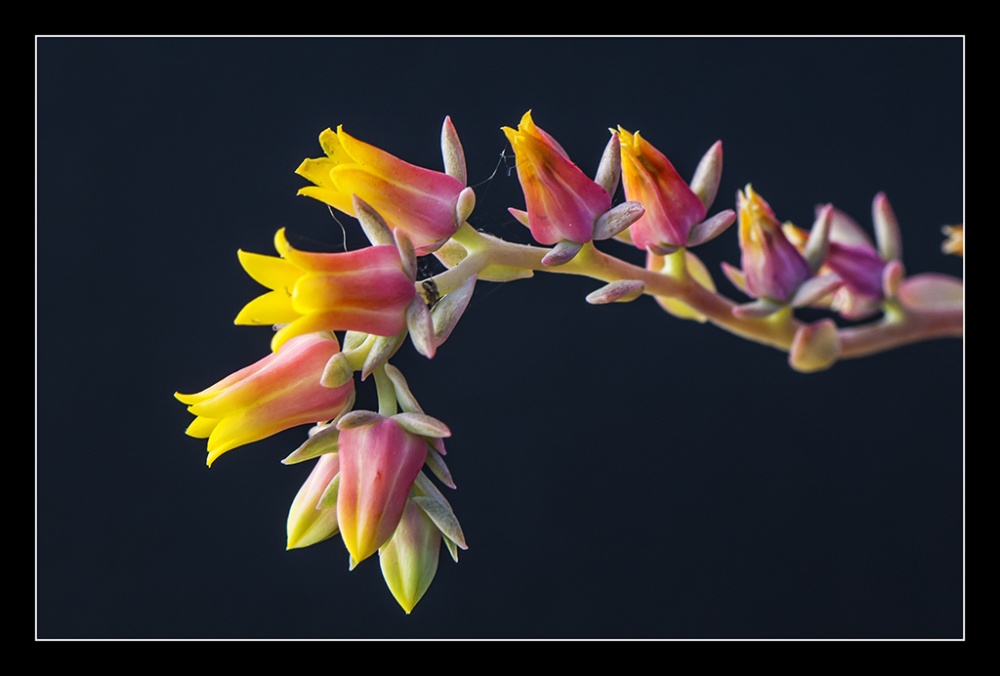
{"points": [[386, 392]]}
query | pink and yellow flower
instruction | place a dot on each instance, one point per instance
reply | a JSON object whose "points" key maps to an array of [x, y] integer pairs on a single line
{"points": [[672, 208], [280, 391], [379, 462], [562, 202], [420, 202], [364, 290]]}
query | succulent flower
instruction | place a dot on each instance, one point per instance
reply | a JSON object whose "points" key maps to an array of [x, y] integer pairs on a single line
{"points": [[363, 290], [278, 392], [427, 205], [562, 202], [379, 461], [674, 214]]}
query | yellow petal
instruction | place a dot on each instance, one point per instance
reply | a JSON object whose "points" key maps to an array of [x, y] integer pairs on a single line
{"points": [[330, 142], [270, 271], [301, 326], [340, 201], [202, 427], [317, 171], [274, 307]]}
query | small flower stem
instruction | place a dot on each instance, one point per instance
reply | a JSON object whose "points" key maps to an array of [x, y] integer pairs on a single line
{"points": [[386, 392]]}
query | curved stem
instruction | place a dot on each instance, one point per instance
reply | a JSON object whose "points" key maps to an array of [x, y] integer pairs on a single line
{"points": [[906, 326]]}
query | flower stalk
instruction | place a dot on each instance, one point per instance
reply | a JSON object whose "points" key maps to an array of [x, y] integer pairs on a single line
{"points": [[368, 484]]}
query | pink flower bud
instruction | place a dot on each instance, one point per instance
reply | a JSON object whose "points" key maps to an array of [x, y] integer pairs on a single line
{"points": [[773, 268], [379, 462], [672, 208], [562, 201]]}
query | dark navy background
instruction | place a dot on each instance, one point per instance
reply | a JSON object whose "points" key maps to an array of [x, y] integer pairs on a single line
{"points": [[621, 473]]}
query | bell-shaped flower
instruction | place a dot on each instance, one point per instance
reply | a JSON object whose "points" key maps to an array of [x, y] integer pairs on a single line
{"points": [[427, 205], [562, 202], [379, 461], [280, 391], [365, 290], [773, 268], [310, 522], [674, 214]]}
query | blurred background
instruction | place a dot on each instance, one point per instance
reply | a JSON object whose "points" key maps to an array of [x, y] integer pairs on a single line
{"points": [[621, 473]]}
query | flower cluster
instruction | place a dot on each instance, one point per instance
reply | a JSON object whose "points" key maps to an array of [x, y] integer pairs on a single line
{"points": [[369, 483]]}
